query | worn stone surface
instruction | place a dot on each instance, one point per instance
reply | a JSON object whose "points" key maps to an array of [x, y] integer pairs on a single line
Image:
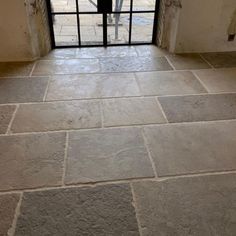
{"points": [[187, 61], [132, 64], [150, 51], [193, 148], [29, 161], [92, 86], [16, 90], [199, 107], [72, 66], [6, 113], [57, 116], [8, 203], [131, 111], [220, 80], [15, 68], [102, 210], [64, 53], [224, 59], [102, 155], [187, 206], [169, 83]]}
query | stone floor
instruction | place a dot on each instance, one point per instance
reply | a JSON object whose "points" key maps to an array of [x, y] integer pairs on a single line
{"points": [[118, 141]]}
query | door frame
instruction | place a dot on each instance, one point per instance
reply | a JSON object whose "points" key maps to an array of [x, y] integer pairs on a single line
{"points": [[131, 12]]}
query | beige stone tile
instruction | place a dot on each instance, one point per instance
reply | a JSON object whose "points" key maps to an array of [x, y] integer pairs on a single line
{"points": [[92, 86], [199, 107], [57, 116], [8, 204], [193, 148], [6, 113], [131, 111], [220, 80], [187, 206], [187, 61], [169, 83], [61, 54], [18, 90], [30, 161], [110, 154], [15, 68], [72, 66], [150, 51]]}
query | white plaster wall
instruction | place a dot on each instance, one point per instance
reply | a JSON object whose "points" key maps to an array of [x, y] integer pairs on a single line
{"points": [[202, 26]]}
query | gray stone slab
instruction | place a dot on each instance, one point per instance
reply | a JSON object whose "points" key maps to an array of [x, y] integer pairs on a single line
{"points": [[102, 210], [6, 113], [132, 64], [169, 83], [131, 111], [57, 116], [17, 90], [187, 61], [199, 107], [15, 68], [8, 203], [72, 66], [64, 87], [30, 161], [220, 80], [110, 154], [193, 148], [187, 206], [221, 59]]}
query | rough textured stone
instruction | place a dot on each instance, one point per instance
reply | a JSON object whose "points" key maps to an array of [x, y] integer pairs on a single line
{"points": [[72, 66], [28, 161], [187, 61], [16, 90], [218, 59], [92, 86], [169, 83], [57, 116], [102, 210], [15, 68], [110, 154], [220, 80], [132, 64], [6, 113], [131, 111], [8, 205], [187, 206], [199, 107], [193, 148]]}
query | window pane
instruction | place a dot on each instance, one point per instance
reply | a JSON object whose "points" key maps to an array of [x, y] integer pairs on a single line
{"points": [[63, 5], [144, 5]]}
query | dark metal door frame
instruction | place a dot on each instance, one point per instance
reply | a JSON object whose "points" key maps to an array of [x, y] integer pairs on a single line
{"points": [[131, 12]]}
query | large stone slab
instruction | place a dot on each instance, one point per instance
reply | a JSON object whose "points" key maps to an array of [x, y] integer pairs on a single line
{"points": [[57, 116], [8, 203], [102, 210], [193, 148], [92, 86], [17, 90], [30, 161], [111, 154], [132, 64], [199, 107], [6, 113], [169, 83], [187, 206], [131, 111]]}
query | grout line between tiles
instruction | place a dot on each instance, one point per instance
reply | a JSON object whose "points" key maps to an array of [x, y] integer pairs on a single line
{"points": [[162, 110], [136, 209], [31, 73], [102, 113], [200, 81], [46, 90], [171, 64], [204, 59], [149, 153], [11, 231], [65, 158], [12, 119]]}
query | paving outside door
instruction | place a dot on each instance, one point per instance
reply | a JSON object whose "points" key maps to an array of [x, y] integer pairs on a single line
{"points": [[81, 23]]}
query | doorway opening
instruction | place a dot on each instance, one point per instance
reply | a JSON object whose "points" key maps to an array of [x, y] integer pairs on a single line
{"points": [[87, 23]]}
